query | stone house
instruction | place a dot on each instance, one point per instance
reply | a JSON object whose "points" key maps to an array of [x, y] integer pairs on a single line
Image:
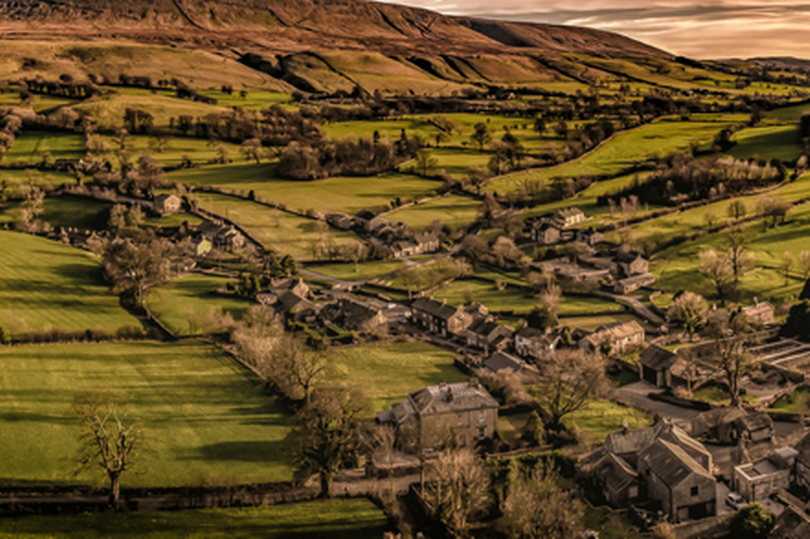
{"points": [[340, 221], [296, 285], [630, 264], [684, 489], [503, 362], [619, 336], [760, 313], [803, 462], [167, 204], [415, 245], [731, 424], [545, 233], [202, 245], [431, 417], [792, 523], [619, 482], [660, 367], [488, 335], [589, 236], [631, 284], [352, 315], [368, 221], [535, 343], [756, 481], [440, 318], [568, 217], [221, 235]]}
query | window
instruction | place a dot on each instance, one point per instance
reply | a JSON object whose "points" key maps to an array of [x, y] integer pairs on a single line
{"points": [[482, 433], [460, 418], [694, 491], [482, 416]]}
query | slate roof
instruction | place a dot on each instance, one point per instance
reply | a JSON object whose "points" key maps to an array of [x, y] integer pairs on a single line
{"points": [[657, 358], [434, 308], [754, 421], [349, 314], [792, 523], [803, 447], [569, 212], [631, 441], [446, 398], [484, 327], [627, 258], [365, 215], [671, 463], [500, 361], [614, 331], [615, 472]]}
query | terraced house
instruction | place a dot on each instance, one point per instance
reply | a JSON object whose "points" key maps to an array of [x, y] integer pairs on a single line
{"points": [[440, 318]]}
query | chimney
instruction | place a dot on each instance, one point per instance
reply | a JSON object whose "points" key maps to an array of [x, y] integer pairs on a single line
{"points": [[625, 427], [444, 301], [756, 301], [449, 394]]}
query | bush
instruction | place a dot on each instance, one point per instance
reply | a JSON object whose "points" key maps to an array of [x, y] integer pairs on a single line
{"points": [[752, 522]]}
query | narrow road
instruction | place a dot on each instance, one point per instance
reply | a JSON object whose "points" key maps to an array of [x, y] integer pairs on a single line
{"points": [[637, 307]]}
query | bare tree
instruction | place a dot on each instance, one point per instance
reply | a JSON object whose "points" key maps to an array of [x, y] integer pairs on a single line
{"points": [[740, 258], [106, 438], [252, 149], [804, 264], [457, 489], [737, 209], [689, 311], [572, 379], [729, 352], [537, 507], [718, 269], [135, 267], [297, 368], [786, 264]]}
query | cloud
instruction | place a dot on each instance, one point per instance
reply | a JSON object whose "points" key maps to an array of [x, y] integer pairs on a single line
{"points": [[709, 29]]}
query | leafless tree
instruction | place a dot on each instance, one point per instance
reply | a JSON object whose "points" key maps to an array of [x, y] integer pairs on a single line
{"points": [[572, 378]]}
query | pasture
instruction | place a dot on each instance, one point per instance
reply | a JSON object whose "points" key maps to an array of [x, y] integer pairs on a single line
{"points": [[453, 211], [348, 195], [30, 147], [360, 272], [388, 372], [326, 519], [180, 303], [627, 149], [175, 150], [281, 231], [205, 418], [772, 142], [44, 284]]}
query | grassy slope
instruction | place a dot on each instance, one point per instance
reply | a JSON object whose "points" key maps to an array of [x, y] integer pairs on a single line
{"points": [[363, 271], [284, 232], [108, 109], [195, 292], [333, 519], [203, 416], [29, 146], [388, 372], [452, 210], [45, 283], [633, 147], [348, 195], [199, 151]]}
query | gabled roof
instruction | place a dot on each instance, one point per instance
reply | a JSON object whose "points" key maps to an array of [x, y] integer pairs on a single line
{"points": [[616, 330], [434, 308], [349, 314], [754, 421], [627, 258], [500, 361], [792, 523], [530, 333], [657, 358], [484, 327], [569, 212], [447, 398], [722, 416], [365, 215], [632, 441], [671, 463], [615, 472]]}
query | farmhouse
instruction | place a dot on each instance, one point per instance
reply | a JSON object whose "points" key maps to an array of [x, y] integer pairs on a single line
{"points": [[503, 362], [658, 465], [761, 313], [757, 481], [340, 221], [568, 217], [222, 236], [415, 245], [630, 264], [589, 236], [545, 233], [535, 343], [440, 318], [731, 424], [352, 315], [617, 337], [792, 523], [167, 204], [803, 462], [368, 221], [631, 284], [657, 366], [433, 416], [488, 335]]}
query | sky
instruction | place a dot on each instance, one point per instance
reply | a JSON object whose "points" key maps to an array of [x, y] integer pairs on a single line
{"points": [[702, 30]]}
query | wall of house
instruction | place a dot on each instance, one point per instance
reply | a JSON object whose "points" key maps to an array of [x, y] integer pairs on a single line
{"points": [[759, 487], [682, 498], [465, 426]]}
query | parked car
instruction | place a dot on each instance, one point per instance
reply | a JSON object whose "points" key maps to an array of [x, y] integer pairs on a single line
{"points": [[735, 501]]}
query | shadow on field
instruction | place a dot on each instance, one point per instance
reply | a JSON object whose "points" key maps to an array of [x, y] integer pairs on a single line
{"points": [[80, 274], [240, 451]]}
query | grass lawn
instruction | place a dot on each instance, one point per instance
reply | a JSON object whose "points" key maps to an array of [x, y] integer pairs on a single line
{"points": [[329, 519], [610, 524], [199, 151], [204, 417], [388, 372], [718, 395], [195, 293], [45, 283], [30, 145], [771, 142], [452, 210], [590, 323], [349, 195], [12, 181], [629, 148], [788, 114], [795, 403], [510, 298], [363, 271], [583, 305], [67, 211], [275, 229]]}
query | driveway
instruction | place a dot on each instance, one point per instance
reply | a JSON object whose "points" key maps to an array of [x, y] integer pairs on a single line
{"points": [[637, 394]]}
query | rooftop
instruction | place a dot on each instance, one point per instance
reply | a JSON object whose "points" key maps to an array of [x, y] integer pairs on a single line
{"points": [[446, 398]]}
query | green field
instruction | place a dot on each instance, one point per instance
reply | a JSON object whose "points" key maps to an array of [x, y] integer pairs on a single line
{"points": [[108, 109], [349, 195], [452, 210], [388, 372], [772, 142], [204, 417], [13, 181], [66, 211], [332, 519], [183, 299], [281, 231], [627, 149], [29, 147], [201, 152], [46, 284], [362, 272], [788, 114]]}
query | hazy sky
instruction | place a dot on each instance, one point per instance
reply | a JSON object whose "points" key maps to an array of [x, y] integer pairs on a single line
{"points": [[708, 29]]}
